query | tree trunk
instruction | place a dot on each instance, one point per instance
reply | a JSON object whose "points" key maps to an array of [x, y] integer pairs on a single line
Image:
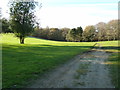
{"points": [[114, 38], [21, 40]]}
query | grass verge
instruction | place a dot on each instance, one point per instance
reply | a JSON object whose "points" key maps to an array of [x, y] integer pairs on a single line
{"points": [[114, 66]]}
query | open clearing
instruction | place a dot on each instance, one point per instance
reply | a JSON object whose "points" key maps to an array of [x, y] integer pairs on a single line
{"points": [[24, 63], [84, 71]]}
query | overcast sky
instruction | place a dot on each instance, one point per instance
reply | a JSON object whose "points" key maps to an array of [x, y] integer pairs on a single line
{"points": [[72, 13]]}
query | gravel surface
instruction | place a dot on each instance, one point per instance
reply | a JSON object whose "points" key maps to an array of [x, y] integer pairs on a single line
{"points": [[83, 71]]}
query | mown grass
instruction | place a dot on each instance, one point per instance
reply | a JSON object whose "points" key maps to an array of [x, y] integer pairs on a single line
{"points": [[22, 63]]}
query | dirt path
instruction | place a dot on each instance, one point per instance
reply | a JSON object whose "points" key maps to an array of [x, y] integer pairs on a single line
{"points": [[84, 71]]}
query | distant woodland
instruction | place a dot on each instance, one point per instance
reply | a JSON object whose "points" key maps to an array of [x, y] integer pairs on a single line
{"points": [[99, 32]]}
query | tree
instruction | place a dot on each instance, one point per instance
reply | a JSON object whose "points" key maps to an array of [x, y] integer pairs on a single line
{"points": [[45, 33], [118, 35], [5, 26], [79, 33], [22, 18], [75, 34], [64, 33], [89, 33], [71, 35], [112, 30], [37, 31], [54, 34], [101, 31]]}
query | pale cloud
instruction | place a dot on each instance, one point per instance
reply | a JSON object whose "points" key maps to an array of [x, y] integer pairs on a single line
{"points": [[74, 16], [5, 9], [71, 13]]}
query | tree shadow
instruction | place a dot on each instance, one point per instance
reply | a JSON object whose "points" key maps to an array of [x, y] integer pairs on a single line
{"points": [[28, 61]]}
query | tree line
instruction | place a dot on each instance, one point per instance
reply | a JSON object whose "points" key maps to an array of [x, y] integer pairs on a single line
{"points": [[99, 32]]}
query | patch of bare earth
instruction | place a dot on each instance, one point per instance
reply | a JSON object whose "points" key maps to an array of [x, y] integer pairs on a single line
{"points": [[84, 71]]}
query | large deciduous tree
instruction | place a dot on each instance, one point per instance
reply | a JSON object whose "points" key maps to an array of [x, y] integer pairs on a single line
{"points": [[22, 18], [79, 33], [71, 35], [89, 33], [112, 30], [101, 31], [75, 34]]}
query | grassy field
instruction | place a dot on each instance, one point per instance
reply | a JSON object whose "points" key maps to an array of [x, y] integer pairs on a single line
{"points": [[22, 63], [35, 57]]}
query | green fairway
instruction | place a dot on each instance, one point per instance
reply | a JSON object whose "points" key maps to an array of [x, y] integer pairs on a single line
{"points": [[23, 62]]}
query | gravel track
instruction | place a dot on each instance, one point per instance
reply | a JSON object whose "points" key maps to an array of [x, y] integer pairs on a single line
{"points": [[83, 71]]}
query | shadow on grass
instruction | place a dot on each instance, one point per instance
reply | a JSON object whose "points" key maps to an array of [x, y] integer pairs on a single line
{"points": [[22, 62], [111, 47]]}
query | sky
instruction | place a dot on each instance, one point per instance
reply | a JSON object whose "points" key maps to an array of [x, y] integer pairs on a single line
{"points": [[71, 13]]}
